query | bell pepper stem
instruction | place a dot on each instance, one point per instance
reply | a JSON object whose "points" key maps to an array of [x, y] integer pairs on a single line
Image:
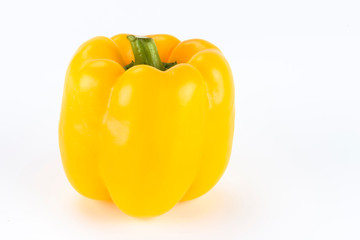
{"points": [[145, 52]]}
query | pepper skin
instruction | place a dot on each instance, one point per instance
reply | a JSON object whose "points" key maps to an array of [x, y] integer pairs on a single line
{"points": [[144, 138]]}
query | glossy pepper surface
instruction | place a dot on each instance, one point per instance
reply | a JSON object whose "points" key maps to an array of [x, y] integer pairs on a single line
{"points": [[146, 138]]}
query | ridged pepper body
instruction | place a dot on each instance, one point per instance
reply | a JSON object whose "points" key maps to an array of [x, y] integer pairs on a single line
{"points": [[144, 138]]}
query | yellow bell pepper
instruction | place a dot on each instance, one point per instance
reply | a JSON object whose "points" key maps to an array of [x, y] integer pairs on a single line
{"points": [[146, 122]]}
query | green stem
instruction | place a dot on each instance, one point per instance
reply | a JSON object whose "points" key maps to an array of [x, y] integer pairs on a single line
{"points": [[145, 52]]}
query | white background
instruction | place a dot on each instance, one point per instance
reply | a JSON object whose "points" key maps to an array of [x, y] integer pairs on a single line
{"points": [[294, 170]]}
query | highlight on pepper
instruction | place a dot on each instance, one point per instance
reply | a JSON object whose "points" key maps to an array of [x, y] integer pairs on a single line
{"points": [[146, 122]]}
